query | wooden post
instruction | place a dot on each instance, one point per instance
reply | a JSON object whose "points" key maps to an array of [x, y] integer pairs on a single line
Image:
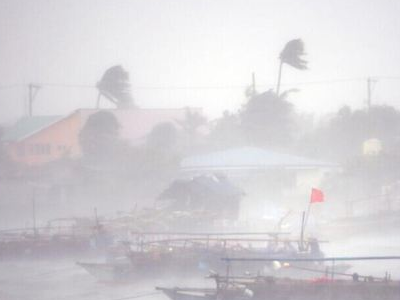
{"points": [[253, 83], [32, 91], [278, 85], [302, 232], [30, 99], [34, 213]]}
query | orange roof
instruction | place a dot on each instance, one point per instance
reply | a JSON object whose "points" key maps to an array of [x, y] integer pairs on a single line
{"points": [[137, 123]]}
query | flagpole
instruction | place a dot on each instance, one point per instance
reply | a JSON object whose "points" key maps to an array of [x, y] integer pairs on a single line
{"points": [[314, 198], [307, 213], [302, 232], [304, 223]]}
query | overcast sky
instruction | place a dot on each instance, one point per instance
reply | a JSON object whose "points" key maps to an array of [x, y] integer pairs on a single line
{"points": [[196, 52]]}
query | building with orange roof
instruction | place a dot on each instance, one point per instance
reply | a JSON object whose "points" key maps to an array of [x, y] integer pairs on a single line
{"points": [[41, 139]]}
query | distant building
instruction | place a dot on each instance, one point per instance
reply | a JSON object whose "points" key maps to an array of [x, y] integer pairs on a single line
{"points": [[41, 139], [372, 147], [268, 178], [237, 161]]}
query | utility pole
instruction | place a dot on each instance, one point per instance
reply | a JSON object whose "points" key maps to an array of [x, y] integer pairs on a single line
{"points": [[253, 83], [34, 212], [370, 81], [32, 91], [96, 219]]}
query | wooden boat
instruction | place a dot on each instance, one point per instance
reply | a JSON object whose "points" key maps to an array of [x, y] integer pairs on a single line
{"points": [[289, 289], [271, 288], [197, 255], [60, 238]]}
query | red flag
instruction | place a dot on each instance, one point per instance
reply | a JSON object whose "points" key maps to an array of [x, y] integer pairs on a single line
{"points": [[316, 196]]}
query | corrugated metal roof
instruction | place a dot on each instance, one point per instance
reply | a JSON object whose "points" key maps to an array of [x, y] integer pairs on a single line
{"points": [[28, 126], [250, 158]]}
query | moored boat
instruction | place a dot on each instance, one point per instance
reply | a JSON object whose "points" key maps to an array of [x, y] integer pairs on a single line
{"points": [[197, 255], [273, 288], [289, 289]]}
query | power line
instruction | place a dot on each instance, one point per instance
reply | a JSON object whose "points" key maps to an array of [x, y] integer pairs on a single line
{"points": [[210, 87], [11, 86], [63, 85], [222, 87], [139, 296], [387, 77]]}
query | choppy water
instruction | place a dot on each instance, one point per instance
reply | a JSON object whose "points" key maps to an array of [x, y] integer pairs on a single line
{"points": [[64, 280]]}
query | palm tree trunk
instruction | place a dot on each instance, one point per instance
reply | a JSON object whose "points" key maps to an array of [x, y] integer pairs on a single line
{"points": [[278, 85], [98, 100]]}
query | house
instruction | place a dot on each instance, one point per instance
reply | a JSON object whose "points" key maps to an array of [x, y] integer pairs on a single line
{"points": [[42, 139], [270, 179]]}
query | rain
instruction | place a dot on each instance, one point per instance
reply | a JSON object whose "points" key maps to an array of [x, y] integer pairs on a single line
{"points": [[216, 150]]}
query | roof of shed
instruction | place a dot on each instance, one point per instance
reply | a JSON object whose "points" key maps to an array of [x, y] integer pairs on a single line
{"points": [[250, 158]]}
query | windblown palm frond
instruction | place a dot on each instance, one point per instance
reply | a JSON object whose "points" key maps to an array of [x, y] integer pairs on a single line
{"points": [[114, 85], [292, 54]]}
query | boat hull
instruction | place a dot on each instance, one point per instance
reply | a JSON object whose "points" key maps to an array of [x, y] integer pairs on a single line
{"points": [[292, 290]]}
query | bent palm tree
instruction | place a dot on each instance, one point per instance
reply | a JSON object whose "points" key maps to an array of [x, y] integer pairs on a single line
{"points": [[115, 87], [291, 55]]}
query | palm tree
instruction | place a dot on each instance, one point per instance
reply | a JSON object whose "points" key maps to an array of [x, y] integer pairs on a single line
{"points": [[291, 55], [192, 122], [114, 86]]}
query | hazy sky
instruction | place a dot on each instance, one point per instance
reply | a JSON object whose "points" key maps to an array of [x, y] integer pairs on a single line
{"points": [[168, 45]]}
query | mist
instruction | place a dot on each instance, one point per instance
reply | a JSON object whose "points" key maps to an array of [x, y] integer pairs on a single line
{"points": [[180, 149]]}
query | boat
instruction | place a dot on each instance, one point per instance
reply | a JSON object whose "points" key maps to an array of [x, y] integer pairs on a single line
{"points": [[59, 238], [291, 289], [273, 288], [184, 255]]}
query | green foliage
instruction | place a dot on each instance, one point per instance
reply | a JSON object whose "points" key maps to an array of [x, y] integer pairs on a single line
{"points": [[162, 137], [267, 120], [192, 122], [292, 54], [115, 87], [226, 131], [99, 136], [191, 136], [343, 136]]}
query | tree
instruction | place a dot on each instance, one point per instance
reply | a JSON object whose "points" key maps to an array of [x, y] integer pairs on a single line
{"points": [[291, 55], [157, 161], [115, 87], [193, 120], [226, 131], [342, 137], [267, 119], [191, 136], [99, 135], [162, 137]]}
